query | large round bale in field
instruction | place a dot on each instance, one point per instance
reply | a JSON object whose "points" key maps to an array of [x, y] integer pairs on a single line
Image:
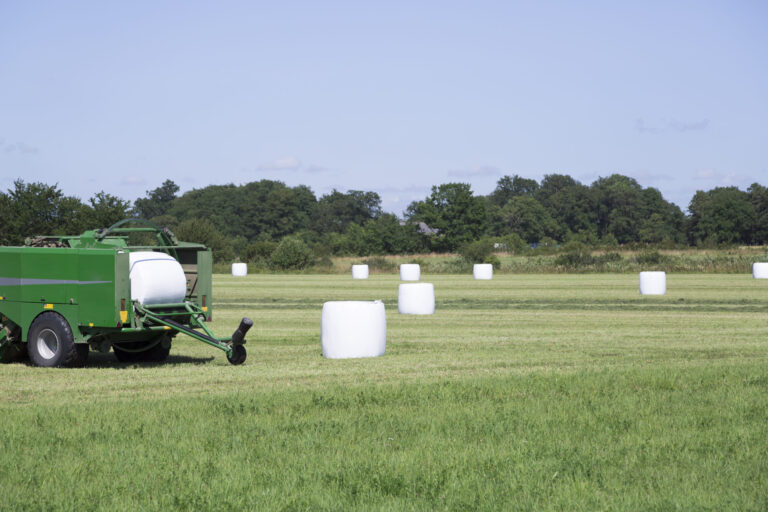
{"points": [[353, 329], [410, 272], [156, 278], [482, 271], [359, 271], [760, 270], [239, 269], [416, 299], [653, 283]]}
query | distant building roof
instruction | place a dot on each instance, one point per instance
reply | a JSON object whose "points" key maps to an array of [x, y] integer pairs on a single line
{"points": [[424, 229]]}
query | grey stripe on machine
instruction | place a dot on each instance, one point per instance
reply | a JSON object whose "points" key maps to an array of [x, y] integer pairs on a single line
{"points": [[15, 281]]}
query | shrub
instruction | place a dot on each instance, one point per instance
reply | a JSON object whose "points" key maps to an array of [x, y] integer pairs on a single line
{"points": [[609, 257], [649, 258], [575, 259], [513, 243], [260, 250], [476, 252], [493, 260], [291, 254], [377, 263]]}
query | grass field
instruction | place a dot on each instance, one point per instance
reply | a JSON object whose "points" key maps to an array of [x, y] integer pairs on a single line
{"points": [[528, 392]]}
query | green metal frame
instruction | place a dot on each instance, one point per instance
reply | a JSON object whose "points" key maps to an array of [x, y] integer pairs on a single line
{"points": [[87, 282], [193, 312]]}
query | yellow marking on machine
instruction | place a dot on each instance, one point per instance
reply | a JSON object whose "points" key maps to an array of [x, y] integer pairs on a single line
{"points": [[166, 328], [90, 324], [205, 308], [123, 316], [48, 306]]}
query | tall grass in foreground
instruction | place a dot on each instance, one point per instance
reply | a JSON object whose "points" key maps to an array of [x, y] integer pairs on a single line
{"points": [[528, 392]]}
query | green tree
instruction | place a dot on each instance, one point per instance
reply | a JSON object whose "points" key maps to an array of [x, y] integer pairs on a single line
{"points": [[157, 202], [620, 207], [723, 215], [40, 209], [7, 233], [512, 186], [337, 210], [203, 231], [572, 205], [662, 221], [260, 210], [383, 235], [758, 196], [529, 219], [451, 208], [106, 209]]}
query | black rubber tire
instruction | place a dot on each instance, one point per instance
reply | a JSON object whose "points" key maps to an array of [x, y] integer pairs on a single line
{"points": [[156, 354], [238, 355], [50, 342]]}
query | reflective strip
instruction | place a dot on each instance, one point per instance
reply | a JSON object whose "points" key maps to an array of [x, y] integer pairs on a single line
{"points": [[17, 281]]}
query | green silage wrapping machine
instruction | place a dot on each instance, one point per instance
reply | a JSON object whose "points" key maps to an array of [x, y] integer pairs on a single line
{"points": [[62, 296]]}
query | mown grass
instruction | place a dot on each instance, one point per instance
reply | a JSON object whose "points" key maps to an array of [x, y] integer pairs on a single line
{"points": [[531, 392]]}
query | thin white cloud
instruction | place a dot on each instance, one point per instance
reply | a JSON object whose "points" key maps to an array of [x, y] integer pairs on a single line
{"points": [[20, 148], [289, 164], [132, 181], [642, 127], [477, 171], [705, 174], [688, 126]]}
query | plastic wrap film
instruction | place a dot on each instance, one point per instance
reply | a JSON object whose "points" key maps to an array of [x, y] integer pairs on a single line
{"points": [[156, 278], [410, 272], [760, 270], [483, 271], [353, 329], [416, 299], [653, 283]]}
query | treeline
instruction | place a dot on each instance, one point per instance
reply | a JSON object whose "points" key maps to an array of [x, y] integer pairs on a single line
{"points": [[269, 222]]}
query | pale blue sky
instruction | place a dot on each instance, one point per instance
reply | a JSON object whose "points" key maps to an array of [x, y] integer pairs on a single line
{"points": [[386, 96]]}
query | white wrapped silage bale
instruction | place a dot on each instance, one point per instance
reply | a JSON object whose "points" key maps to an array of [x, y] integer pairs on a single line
{"points": [[353, 329], [359, 271], [156, 278], [482, 271], [760, 270], [416, 299], [410, 272], [239, 269], [653, 283]]}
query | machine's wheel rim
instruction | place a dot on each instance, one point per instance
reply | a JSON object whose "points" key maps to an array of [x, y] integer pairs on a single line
{"points": [[47, 344]]}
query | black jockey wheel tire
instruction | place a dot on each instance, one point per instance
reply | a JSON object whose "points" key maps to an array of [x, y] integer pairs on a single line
{"points": [[156, 354], [238, 355], [50, 342]]}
